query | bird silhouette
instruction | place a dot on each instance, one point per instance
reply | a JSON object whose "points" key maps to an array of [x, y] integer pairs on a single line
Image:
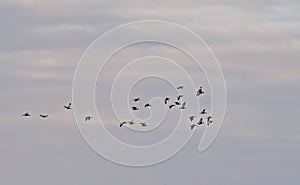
{"points": [[171, 106], [200, 122], [183, 106], [135, 108], [68, 107], [192, 118], [43, 115], [180, 87], [148, 105], [27, 114], [88, 118], [193, 126], [137, 99], [179, 97], [209, 120], [166, 100], [143, 124], [203, 112], [123, 123], [177, 103], [199, 91], [131, 122]]}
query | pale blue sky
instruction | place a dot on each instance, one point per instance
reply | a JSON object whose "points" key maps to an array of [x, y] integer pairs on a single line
{"points": [[257, 44]]}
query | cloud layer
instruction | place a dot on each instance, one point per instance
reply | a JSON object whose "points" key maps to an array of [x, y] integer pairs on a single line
{"points": [[257, 44]]}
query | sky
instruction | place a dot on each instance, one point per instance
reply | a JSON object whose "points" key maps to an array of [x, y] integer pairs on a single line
{"points": [[257, 44]]}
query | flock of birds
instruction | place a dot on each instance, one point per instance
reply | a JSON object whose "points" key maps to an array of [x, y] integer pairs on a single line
{"points": [[67, 107], [166, 100], [178, 103]]}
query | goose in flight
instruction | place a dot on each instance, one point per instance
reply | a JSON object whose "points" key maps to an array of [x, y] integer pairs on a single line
{"points": [[135, 108], [180, 87], [192, 118], [43, 115], [166, 100], [177, 103], [131, 122], [179, 97], [68, 107], [193, 126], [171, 106], [199, 91], [123, 123], [144, 124], [137, 99], [200, 122], [88, 118], [27, 114], [209, 120], [183, 106], [148, 105], [203, 112]]}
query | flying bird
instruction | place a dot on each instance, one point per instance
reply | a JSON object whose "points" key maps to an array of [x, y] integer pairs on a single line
{"points": [[43, 115], [193, 126], [177, 103], [131, 122], [27, 114], [209, 120], [68, 106], [180, 87], [192, 118], [203, 112], [171, 106], [88, 118], [144, 124], [179, 97], [135, 108], [137, 99], [123, 123], [199, 91], [183, 106], [148, 105], [200, 122], [166, 100]]}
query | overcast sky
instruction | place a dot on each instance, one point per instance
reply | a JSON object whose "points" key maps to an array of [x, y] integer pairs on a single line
{"points": [[256, 42]]}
